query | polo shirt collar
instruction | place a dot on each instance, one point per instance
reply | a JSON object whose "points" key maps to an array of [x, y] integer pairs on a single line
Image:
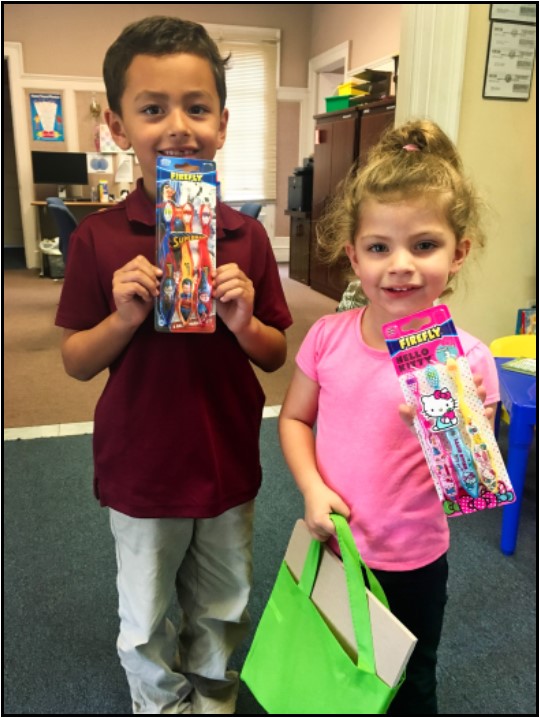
{"points": [[228, 220], [140, 208]]}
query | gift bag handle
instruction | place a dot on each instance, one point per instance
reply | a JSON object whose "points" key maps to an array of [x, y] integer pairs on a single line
{"points": [[356, 587]]}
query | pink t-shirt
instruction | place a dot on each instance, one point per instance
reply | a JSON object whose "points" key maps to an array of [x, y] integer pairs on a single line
{"points": [[367, 454]]}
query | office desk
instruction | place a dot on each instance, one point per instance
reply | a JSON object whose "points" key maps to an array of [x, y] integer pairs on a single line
{"points": [[518, 394]]}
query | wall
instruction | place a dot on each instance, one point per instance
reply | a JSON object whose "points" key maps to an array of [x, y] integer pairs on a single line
{"points": [[372, 28], [94, 26], [497, 141]]}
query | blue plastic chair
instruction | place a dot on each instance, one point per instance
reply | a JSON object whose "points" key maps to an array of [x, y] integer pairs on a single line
{"points": [[65, 223]]}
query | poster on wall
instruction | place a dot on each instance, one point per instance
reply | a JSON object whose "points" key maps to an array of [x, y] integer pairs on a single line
{"points": [[124, 168], [510, 61], [47, 117], [99, 163], [513, 12]]}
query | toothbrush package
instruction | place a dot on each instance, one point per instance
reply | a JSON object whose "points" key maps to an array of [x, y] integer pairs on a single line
{"points": [[456, 437], [185, 244]]}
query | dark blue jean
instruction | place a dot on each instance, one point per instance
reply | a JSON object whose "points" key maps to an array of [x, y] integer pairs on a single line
{"points": [[418, 599]]}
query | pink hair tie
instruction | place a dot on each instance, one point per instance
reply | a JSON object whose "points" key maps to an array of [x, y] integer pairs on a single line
{"points": [[411, 148]]}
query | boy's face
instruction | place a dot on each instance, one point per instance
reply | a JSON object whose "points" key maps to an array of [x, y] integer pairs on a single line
{"points": [[170, 106]]}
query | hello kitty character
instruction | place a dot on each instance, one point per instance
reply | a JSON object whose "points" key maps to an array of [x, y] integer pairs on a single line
{"points": [[440, 406]]}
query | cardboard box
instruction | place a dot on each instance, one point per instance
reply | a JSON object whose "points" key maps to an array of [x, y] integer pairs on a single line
{"points": [[393, 643]]}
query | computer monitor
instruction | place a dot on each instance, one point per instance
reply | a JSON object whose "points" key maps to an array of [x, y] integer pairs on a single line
{"points": [[61, 168]]}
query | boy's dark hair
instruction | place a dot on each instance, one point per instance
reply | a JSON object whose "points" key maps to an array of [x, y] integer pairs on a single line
{"points": [[159, 35]]}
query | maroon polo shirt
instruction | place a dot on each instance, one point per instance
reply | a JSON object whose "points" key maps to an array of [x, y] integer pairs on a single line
{"points": [[176, 430]]}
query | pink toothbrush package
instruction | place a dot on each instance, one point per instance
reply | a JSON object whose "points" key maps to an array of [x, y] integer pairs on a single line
{"points": [[456, 437]]}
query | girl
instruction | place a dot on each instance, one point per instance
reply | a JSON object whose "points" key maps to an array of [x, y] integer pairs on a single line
{"points": [[407, 221]]}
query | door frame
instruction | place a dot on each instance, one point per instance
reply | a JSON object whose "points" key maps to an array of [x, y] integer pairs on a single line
{"points": [[13, 56], [433, 44]]}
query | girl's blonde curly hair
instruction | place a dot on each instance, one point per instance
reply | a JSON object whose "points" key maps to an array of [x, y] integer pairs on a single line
{"points": [[414, 160]]}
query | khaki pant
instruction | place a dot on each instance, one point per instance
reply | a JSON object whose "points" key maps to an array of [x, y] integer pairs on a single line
{"points": [[209, 564]]}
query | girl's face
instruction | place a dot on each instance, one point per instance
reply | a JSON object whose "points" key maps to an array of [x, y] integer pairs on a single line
{"points": [[403, 253]]}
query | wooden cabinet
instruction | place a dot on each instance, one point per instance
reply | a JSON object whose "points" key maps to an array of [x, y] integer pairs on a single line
{"points": [[340, 139], [374, 121], [336, 141], [300, 239]]}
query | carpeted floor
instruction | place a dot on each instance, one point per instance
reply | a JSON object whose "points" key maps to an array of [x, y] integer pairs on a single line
{"points": [[37, 390], [60, 620]]}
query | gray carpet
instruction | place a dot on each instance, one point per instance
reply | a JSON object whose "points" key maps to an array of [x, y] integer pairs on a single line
{"points": [[60, 619]]}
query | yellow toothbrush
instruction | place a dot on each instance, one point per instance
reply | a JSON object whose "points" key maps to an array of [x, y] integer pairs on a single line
{"points": [[479, 446]]}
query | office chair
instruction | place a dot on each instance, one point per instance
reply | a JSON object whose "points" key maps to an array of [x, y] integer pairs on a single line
{"points": [[252, 209], [65, 223], [512, 346], [55, 200]]}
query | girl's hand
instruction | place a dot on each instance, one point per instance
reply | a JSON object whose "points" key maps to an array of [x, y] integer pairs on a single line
{"points": [[235, 296], [408, 412], [135, 285], [320, 502], [489, 411]]}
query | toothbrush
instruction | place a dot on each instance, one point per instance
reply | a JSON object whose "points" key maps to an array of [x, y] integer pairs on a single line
{"points": [[434, 449], [463, 462], [477, 443], [460, 454]]}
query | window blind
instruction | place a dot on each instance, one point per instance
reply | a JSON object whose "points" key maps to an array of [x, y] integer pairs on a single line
{"points": [[247, 162]]}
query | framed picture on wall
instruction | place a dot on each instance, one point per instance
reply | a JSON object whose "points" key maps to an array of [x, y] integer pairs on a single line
{"points": [[510, 61], [47, 117], [513, 12]]}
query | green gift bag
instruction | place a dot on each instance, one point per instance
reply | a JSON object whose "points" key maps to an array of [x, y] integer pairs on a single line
{"points": [[296, 665]]}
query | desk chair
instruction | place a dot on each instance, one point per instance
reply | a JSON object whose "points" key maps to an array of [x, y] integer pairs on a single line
{"points": [[513, 346], [65, 223], [251, 208]]}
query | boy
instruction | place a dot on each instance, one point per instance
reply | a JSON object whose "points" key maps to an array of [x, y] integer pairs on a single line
{"points": [[177, 426]]}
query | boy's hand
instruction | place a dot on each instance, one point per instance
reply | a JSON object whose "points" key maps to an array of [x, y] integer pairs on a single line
{"points": [[135, 285], [320, 502], [235, 296]]}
